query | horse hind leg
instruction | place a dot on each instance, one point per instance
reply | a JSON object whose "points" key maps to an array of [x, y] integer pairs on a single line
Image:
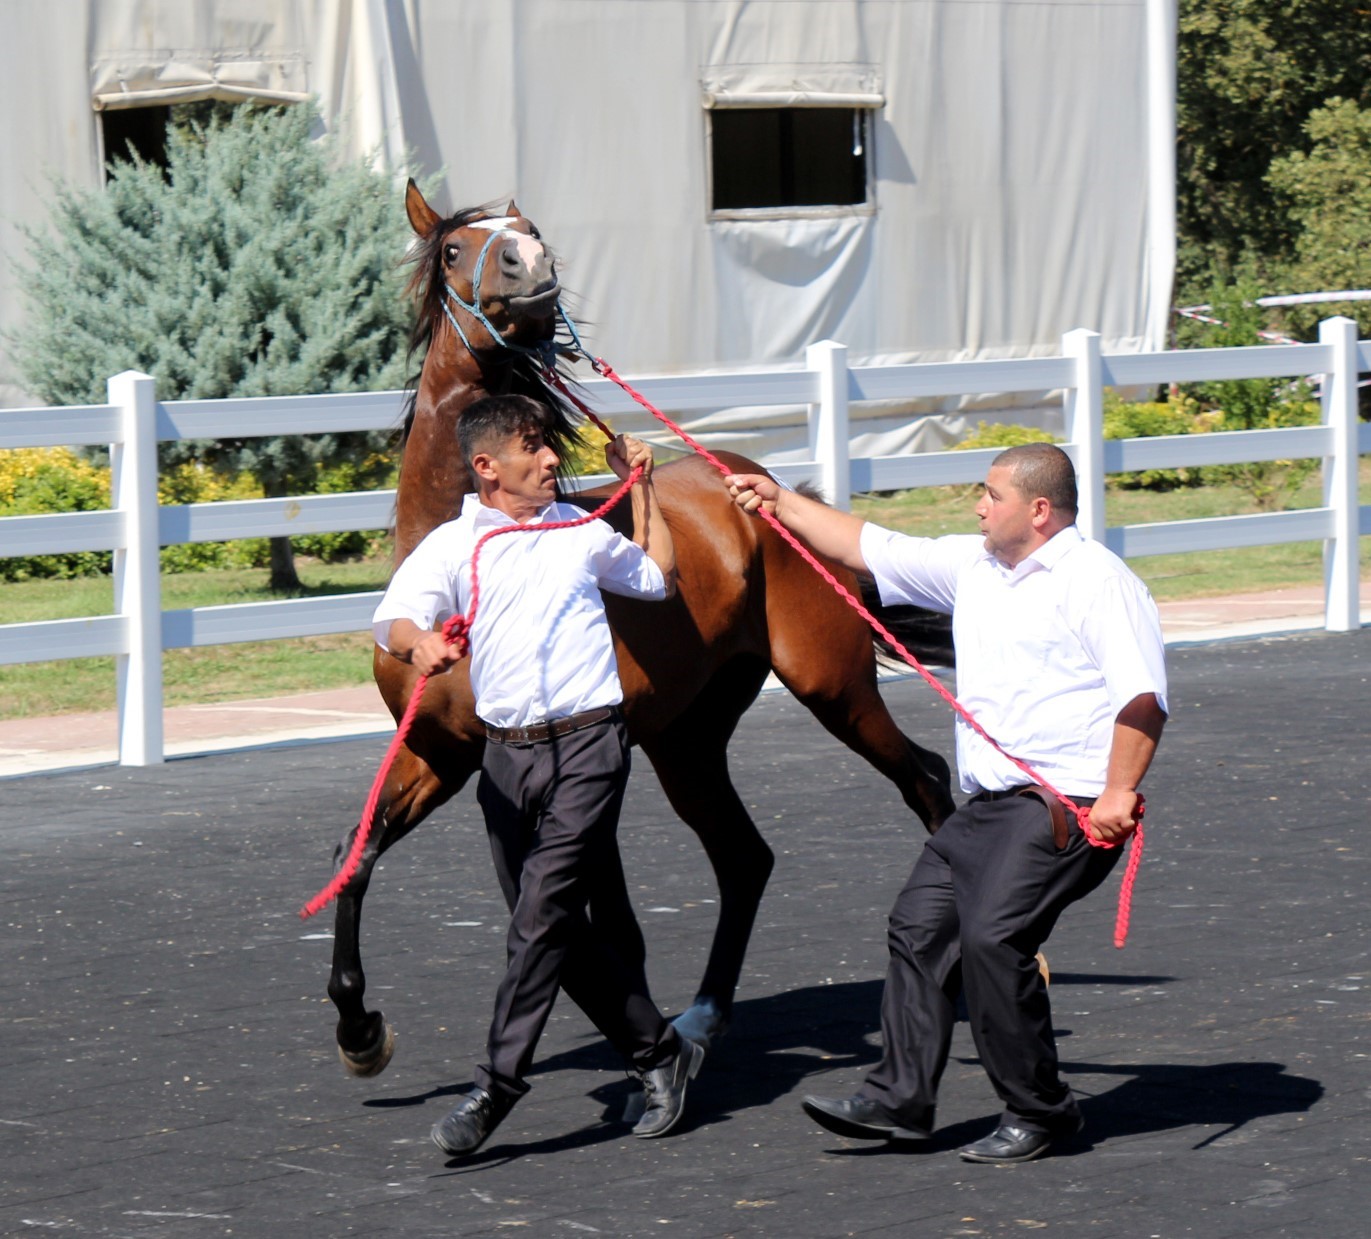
{"points": [[691, 760], [858, 716], [412, 790], [823, 652]]}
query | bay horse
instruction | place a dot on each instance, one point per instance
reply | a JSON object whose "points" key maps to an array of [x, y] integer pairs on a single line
{"points": [[488, 302]]}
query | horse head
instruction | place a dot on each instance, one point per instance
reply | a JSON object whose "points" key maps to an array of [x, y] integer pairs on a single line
{"points": [[489, 275], [488, 302]]}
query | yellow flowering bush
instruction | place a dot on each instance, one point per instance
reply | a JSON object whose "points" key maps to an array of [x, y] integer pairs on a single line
{"points": [[40, 480], [34, 480]]}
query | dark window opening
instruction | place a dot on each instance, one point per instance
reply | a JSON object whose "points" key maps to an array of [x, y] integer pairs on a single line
{"points": [[129, 131], [788, 157], [143, 130]]}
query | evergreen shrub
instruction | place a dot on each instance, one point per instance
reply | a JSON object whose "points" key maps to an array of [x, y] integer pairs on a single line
{"points": [[258, 263]]}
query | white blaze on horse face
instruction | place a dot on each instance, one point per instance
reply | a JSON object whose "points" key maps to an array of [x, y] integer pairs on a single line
{"points": [[529, 249]]}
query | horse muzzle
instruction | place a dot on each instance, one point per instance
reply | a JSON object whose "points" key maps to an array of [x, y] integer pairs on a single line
{"points": [[539, 304]]}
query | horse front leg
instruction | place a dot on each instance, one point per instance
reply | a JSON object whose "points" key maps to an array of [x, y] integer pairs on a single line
{"points": [[691, 761], [412, 790]]}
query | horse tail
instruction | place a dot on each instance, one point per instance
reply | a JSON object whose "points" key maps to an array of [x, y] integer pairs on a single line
{"points": [[925, 634]]}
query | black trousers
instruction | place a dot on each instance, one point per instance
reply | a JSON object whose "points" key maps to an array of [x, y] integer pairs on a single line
{"points": [[984, 895], [552, 811]]}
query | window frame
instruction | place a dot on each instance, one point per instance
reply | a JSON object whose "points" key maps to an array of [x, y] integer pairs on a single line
{"points": [[864, 106]]}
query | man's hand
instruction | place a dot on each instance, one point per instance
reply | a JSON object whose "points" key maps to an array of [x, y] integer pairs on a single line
{"points": [[1113, 815], [625, 453], [421, 647], [752, 491], [828, 531], [1137, 729], [431, 654]]}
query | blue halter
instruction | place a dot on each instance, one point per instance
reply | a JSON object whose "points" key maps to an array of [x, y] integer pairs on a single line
{"points": [[545, 352]]}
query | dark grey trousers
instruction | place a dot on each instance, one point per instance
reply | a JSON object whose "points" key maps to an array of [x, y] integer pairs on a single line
{"points": [[551, 811], [984, 895]]}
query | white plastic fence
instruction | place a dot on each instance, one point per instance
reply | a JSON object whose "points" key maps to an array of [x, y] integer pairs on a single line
{"points": [[134, 422]]}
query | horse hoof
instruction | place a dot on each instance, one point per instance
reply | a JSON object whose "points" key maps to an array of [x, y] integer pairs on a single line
{"points": [[373, 1061], [1044, 969], [703, 1023]]}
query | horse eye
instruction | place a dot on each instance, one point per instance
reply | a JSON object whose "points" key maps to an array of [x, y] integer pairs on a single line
{"points": [[450, 253], [534, 233]]}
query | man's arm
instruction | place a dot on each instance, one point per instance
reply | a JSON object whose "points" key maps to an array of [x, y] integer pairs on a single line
{"points": [[650, 530], [423, 648], [1137, 731], [838, 535]]}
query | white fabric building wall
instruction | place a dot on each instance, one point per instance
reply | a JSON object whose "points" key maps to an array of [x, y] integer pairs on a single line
{"points": [[1022, 172]]}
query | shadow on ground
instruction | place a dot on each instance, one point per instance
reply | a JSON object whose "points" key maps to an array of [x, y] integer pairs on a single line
{"points": [[777, 1042]]}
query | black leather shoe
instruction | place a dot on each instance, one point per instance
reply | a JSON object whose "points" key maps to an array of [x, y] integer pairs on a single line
{"points": [[860, 1117], [664, 1089], [1008, 1144], [477, 1115]]}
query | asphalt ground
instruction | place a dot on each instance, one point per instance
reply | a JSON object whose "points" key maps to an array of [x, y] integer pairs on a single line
{"points": [[168, 1053]]}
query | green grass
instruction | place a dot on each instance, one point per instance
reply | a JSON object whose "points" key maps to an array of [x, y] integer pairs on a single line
{"points": [[269, 668], [204, 674]]}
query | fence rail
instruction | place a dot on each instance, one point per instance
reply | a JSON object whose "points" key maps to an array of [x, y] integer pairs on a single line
{"points": [[134, 422]]}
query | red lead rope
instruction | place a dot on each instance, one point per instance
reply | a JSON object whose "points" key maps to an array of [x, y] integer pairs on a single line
{"points": [[1082, 814], [457, 628], [456, 631]]}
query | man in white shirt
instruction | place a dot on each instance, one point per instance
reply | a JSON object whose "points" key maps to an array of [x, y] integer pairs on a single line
{"points": [[1060, 659], [556, 760]]}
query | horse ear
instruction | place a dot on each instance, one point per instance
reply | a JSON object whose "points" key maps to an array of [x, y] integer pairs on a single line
{"points": [[422, 217], [512, 210]]}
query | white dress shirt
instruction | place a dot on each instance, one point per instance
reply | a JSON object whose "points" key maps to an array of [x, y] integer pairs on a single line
{"points": [[541, 646], [1048, 652]]}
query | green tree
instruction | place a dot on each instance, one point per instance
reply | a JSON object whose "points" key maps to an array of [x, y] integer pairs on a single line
{"points": [[1250, 404], [1249, 74], [257, 263], [1329, 189]]}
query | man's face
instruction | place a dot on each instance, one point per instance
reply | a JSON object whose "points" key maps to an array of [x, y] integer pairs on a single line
{"points": [[526, 468], [1007, 517]]}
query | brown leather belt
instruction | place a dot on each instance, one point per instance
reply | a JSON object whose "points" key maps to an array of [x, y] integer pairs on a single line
{"points": [[535, 733], [1055, 809]]}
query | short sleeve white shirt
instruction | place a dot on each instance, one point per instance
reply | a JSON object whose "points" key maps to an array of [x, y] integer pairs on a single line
{"points": [[1048, 652], [541, 646]]}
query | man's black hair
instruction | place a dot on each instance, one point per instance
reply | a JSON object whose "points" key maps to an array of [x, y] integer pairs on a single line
{"points": [[489, 423]]}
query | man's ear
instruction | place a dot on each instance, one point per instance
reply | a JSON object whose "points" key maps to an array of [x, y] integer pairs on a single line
{"points": [[483, 466]]}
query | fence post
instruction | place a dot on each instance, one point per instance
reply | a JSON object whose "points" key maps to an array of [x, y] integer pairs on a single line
{"points": [[1085, 428], [828, 426], [1341, 552], [137, 584]]}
